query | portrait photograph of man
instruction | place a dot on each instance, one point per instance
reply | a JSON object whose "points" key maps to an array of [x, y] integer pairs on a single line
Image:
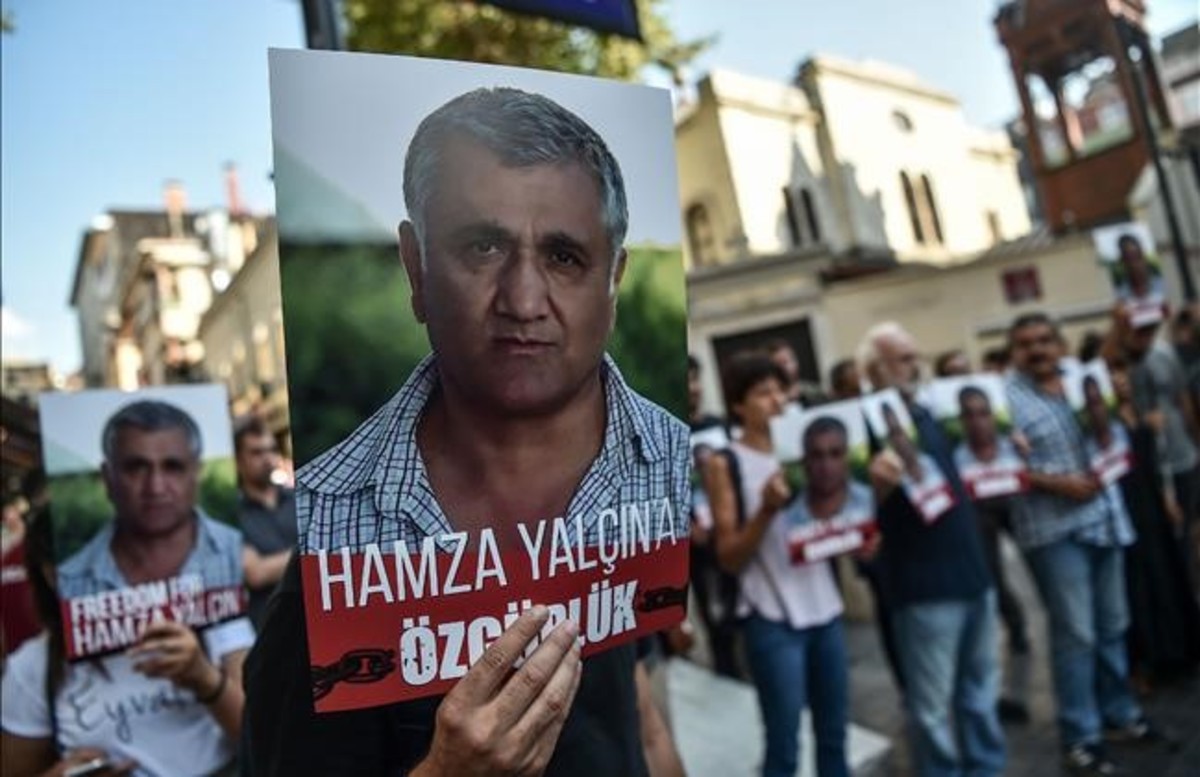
{"points": [[922, 479], [1129, 253], [142, 496], [513, 353], [973, 409], [834, 510], [1090, 392]]}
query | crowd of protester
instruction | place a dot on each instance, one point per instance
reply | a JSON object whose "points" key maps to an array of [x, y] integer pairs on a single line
{"points": [[1115, 564]]}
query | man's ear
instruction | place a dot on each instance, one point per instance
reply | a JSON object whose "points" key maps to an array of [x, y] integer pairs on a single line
{"points": [[619, 269], [106, 475], [410, 257]]}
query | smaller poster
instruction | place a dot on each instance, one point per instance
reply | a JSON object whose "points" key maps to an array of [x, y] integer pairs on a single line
{"points": [[973, 409], [834, 510], [923, 480], [141, 487], [1090, 393], [1127, 250]]}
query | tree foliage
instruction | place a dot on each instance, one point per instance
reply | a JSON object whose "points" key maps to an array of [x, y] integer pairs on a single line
{"points": [[476, 32]]}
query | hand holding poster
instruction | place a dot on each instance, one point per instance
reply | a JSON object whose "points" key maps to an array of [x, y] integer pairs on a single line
{"points": [[1128, 252], [520, 463], [973, 409], [923, 480], [136, 483], [1090, 393], [834, 511]]}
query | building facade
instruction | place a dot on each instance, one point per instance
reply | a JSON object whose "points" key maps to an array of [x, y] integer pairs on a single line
{"points": [[243, 341], [790, 189]]}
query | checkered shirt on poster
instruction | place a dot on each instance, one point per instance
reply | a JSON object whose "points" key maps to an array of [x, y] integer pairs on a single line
{"points": [[372, 488], [1056, 445], [216, 557]]}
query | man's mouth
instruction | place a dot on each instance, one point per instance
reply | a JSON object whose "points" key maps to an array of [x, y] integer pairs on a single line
{"points": [[519, 345]]}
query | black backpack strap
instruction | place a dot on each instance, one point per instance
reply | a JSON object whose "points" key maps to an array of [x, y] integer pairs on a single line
{"points": [[735, 479]]}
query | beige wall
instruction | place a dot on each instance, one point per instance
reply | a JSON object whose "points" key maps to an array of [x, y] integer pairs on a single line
{"points": [[859, 103], [964, 306], [704, 175], [770, 143]]}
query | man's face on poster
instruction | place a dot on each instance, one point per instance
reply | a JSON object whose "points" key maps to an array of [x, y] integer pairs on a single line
{"points": [[517, 285], [1133, 259], [1093, 403], [978, 421], [152, 480], [826, 464]]}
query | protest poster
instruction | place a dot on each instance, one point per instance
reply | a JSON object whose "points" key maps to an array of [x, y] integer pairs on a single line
{"points": [[127, 472], [973, 409], [1127, 250], [923, 480], [1090, 393], [538, 307], [831, 455]]}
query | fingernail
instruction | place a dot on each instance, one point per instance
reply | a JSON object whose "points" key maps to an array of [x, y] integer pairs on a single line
{"points": [[570, 628], [540, 612]]}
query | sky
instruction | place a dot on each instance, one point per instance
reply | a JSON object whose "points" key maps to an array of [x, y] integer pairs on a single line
{"points": [[102, 102]]}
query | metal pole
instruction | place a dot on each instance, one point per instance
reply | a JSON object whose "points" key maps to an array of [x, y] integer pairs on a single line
{"points": [[1130, 36], [322, 24]]}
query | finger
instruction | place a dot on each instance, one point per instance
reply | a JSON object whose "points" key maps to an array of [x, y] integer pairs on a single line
{"points": [[161, 630], [544, 718], [82, 754], [488, 673], [537, 673]]}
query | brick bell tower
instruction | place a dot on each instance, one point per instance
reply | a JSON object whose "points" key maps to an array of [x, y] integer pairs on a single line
{"points": [[1091, 100]]}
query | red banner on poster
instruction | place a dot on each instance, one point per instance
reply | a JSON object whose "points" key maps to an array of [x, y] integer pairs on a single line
{"points": [[109, 621], [397, 622]]}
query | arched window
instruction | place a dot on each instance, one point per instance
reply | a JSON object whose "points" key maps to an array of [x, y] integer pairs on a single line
{"points": [[910, 199], [935, 221], [700, 236], [810, 213]]}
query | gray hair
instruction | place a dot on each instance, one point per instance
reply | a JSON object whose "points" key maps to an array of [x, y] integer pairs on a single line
{"points": [[867, 353], [149, 415], [522, 129]]}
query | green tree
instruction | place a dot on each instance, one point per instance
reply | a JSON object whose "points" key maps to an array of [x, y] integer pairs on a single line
{"points": [[476, 32]]}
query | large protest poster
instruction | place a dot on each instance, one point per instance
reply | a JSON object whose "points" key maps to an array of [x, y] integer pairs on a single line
{"points": [[511, 188], [127, 472], [922, 479], [1128, 252], [825, 449], [973, 410], [1090, 393]]}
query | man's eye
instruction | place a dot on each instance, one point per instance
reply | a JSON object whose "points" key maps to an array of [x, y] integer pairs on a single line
{"points": [[566, 259], [485, 247]]}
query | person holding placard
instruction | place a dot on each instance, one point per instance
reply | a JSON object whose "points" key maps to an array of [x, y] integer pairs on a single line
{"points": [[791, 613], [993, 470], [944, 608], [1073, 532], [172, 702], [514, 250]]}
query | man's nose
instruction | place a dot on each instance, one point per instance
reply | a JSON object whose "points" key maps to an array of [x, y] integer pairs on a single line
{"points": [[156, 481], [522, 290]]}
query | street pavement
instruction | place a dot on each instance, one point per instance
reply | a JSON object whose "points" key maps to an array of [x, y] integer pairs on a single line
{"points": [[718, 728]]}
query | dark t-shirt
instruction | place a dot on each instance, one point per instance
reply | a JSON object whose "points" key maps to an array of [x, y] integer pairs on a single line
{"points": [[939, 561], [281, 735], [267, 530]]}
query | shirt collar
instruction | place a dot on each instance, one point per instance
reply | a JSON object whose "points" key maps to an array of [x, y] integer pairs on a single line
{"points": [[103, 564], [622, 408]]}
